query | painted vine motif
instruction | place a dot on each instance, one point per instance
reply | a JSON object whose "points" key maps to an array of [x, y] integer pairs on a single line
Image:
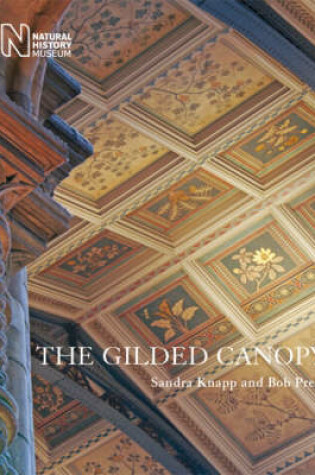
{"points": [[91, 260], [203, 88], [182, 201], [125, 459], [108, 33], [173, 315], [267, 419], [279, 137], [258, 267], [172, 319], [119, 153], [47, 398]]}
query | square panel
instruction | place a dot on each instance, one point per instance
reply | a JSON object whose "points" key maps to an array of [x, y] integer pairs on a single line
{"points": [[204, 87], [120, 153], [260, 420], [57, 417], [108, 35], [304, 209], [198, 199], [87, 265], [176, 313], [117, 454], [261, 269], [275, 150]]}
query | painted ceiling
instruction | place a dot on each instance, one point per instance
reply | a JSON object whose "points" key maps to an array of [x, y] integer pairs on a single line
{"points": [[195, 226]]}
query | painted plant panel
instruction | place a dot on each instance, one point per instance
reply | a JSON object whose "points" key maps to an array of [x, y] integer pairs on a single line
{"points": [[262, 269], [260, 419], [108, 34], [198, 198], [272, 150], [57, 416], [176, 314], [120, 152], [203, 88], [117, 455], [94, 259]]}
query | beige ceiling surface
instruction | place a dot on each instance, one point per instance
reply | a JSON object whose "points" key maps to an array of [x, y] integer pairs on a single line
{"points": [[196, 226]]}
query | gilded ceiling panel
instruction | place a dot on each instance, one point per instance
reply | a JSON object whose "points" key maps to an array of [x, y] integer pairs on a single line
{"points": [[120, 152], [281, 146], [106, 252], [262, 269], [117, 455], [58, 417], [260, 419], [176, 313], [203, 88], [198, 198], [106, 35]]}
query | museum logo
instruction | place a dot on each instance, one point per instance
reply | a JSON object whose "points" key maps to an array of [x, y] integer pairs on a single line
{"points": [[25, 44]]}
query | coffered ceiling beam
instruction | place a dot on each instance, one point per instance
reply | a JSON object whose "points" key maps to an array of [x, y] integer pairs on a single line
{"points": [[263, 34]]}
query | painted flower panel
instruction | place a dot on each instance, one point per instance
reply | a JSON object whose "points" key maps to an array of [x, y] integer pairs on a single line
{"points": [[91, 260], [258, 263], [108, 34], [279, 137], [203, 88], [120, 152], [183, 200], [172, 315]]}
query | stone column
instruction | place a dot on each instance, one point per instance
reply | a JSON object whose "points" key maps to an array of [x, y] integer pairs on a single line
{"points": [[19, 373], [8, 407]]}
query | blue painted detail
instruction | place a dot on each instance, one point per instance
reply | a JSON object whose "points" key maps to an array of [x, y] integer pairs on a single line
{"points": [[282, 26], [262, 34]]}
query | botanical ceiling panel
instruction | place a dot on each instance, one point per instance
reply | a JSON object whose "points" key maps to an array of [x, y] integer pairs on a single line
{"points": [[120, 152], [282, 146], [109, 34], [175, 313], [118, 454], [57, 417], [197, 200], [212, 82], [260, 420], [262, 269], [90, 263]]}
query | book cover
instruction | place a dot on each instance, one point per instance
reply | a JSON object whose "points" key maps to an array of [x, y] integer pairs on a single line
{"points": [[157, 237]]}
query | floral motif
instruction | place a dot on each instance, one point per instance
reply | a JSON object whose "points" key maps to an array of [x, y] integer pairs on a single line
{"points": [[280, 137], [125, 459], [91, 260], [174, 314], [47, 398], [119, 153], [267, 419], [203, 88], [172, 318], [257, 266], [108, 33], [182, 201]]}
